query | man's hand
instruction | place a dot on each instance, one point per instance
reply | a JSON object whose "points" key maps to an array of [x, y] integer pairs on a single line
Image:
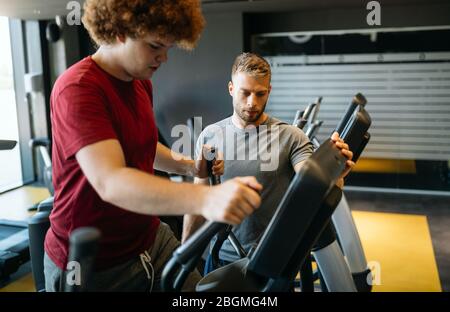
{"points": [[232, 201], [347, 153], [200, 166]]}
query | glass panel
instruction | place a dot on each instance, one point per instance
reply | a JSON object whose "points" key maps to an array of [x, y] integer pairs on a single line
{"points": [[404, 75], [10, 161]]}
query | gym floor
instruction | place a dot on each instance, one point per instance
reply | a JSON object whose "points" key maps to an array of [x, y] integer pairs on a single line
{"points": [[405, 238], [14, 206], [417, 239]]}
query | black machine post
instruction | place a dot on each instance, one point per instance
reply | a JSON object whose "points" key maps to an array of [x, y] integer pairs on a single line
{"points": [[82, 252], [227, 232]]}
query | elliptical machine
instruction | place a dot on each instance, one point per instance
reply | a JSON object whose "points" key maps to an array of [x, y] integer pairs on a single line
{"points": [[344, 228], [292, 232], [341, 232]]}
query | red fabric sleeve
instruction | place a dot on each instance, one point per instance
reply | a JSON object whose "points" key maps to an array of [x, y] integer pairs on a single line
{"points": [[82, 117]]}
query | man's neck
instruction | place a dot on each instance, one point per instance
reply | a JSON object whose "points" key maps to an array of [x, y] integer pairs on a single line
{"points": [[106, 59], [242, 124]]}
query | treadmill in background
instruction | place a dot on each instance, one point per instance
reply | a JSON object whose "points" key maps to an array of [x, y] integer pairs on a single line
{"points": [[14, 243]]}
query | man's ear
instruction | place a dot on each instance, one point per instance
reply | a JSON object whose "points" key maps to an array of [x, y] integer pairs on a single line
{"points": [[230, 87], [270, 89], [121, 38]]}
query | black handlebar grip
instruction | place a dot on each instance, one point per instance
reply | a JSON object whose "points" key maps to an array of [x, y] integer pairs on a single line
{"points": [[358, 100], [213, 179]]}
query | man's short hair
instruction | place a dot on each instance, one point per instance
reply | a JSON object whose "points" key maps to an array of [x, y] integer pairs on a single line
{"points": [[251, 64], [180, 19]]}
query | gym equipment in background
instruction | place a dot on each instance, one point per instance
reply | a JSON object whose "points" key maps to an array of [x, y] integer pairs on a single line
{"points": [[13, 237], [344, 226]]}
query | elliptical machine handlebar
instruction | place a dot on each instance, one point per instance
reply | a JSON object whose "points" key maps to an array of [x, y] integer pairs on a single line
{"points": [[185, 257], [358, 101], [355, 111], [227, 232], [301, 117], [315, 112], [309, 114], [213, 179]]}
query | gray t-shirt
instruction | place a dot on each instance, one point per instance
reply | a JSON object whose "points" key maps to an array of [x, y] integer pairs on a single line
{"points": [[269, 152]]}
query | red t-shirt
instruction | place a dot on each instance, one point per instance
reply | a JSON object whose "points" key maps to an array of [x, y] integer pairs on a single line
{"points": [[88, 105]]}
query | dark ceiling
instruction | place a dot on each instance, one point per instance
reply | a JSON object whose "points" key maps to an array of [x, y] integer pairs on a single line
{"points": [[46, 9]]}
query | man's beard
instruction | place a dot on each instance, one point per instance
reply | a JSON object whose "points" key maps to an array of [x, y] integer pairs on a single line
{"points": [[242, 115]]}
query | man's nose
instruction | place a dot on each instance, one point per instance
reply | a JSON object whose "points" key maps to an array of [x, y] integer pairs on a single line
{"points": [[251, 100]]}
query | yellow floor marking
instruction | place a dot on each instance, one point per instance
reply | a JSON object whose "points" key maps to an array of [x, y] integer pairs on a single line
{"points": [[23, 284], [401, 245], [376, 165]]}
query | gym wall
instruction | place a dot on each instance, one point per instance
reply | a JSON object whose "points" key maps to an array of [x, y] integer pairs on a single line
{"points": [[195, 83]]}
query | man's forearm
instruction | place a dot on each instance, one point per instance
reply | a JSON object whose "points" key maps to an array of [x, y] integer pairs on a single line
{"points": [[144, 193], [180, 164], [191, 223]]}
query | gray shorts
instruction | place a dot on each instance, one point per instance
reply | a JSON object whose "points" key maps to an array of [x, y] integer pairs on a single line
{"points": [[133, 275]]}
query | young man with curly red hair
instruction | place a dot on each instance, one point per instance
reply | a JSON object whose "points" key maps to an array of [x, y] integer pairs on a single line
{"points": [[105, 149]]}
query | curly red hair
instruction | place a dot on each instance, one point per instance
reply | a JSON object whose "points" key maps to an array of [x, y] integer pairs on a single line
{"points": [[180, 19]]}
